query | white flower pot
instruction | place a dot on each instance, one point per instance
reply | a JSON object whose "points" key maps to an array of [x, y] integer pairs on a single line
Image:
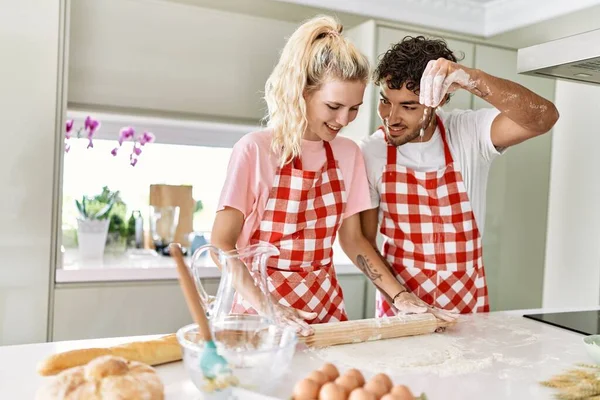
{"points": [[91, 236]]}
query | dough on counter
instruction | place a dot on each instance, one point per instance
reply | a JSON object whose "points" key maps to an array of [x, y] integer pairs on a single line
{"points": [[106, 377]]}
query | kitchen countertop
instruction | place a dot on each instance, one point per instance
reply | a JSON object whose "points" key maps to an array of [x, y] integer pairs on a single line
{"points": [[135, 266], [502, 355]]}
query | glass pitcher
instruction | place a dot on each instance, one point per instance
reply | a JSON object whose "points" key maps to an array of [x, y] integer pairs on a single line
{"points": [[258, 350], [248, 265]]}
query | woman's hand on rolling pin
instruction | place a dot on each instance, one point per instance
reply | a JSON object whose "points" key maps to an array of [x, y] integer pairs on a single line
{"points": [[294, 318], [408, 303]]}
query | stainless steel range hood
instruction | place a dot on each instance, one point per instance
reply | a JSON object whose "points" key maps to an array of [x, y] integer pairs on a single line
{"points": [[576, 58]]}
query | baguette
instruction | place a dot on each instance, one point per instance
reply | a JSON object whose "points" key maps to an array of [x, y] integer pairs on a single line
{"points": [[151, 352]]}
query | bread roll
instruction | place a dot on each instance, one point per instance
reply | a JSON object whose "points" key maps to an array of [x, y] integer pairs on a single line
{"points": [[151, 352], [106, 377]]}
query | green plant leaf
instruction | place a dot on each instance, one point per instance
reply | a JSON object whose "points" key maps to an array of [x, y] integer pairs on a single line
{"points": [[80, 208], [199, 206], [103, 213]]}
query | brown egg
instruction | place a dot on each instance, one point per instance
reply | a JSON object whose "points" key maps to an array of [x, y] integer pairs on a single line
{"points": [[390, 396], [402, 392], [318, 377], [331, 391], [377, 387], [361, 394], [348, 382], [356, 373], [331, 371], [385, 380], [306, 389]]}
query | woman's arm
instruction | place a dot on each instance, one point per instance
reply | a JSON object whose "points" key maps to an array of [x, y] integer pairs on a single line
{"points": [[226, 230]]}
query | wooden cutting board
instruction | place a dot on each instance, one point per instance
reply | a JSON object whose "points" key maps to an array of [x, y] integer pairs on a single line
{"points": [[363, 330]]}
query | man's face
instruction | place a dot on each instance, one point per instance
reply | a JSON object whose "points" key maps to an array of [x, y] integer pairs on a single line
{"points": [[401, 113]]}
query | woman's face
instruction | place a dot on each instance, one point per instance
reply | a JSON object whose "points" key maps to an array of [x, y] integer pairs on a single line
{"points": [[330, 108]]}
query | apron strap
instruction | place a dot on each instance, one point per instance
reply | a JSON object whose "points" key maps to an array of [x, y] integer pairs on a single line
{"points": [[329, 153], [297, 162], [447, 154], [392, 152]]}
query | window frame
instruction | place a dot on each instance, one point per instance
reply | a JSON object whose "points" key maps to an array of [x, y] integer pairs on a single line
{"points": [[191, 132]]}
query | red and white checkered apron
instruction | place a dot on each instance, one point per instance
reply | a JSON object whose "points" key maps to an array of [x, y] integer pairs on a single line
{"points": [[431, 237], [301, 219]]}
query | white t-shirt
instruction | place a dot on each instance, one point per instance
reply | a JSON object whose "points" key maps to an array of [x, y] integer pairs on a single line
{"points": [[468, 134]]}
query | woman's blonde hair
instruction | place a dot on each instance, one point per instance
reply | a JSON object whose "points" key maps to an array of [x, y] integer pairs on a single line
{"points": [[316, 51]]}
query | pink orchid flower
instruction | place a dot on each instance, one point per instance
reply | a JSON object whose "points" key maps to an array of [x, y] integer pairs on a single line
{"points": [[91, 125], [125, 134], [146, 137], [68, 128]]}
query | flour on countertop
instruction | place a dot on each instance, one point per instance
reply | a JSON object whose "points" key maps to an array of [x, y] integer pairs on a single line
{"points": [[443, 354], [437, 354]]}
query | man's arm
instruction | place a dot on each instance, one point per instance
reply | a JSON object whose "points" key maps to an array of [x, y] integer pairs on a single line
{"points": [[370, 262], [523, 114], [369, 221]]}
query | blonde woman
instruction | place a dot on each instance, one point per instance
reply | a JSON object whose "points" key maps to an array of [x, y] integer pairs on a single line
{"points": [[298, 183]]}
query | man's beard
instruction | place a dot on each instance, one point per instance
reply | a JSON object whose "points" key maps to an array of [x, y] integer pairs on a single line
{"points": [[399, 140]]}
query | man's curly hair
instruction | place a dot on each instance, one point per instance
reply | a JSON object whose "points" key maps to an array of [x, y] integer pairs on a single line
{"points": [[405, 62]]}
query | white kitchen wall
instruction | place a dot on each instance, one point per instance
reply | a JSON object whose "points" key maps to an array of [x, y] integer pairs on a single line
{"points": [[572, 271], [172, 58], [30, 38]]}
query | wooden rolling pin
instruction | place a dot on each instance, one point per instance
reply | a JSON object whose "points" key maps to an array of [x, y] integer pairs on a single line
{"points": [[357, 331], [151, 352]]}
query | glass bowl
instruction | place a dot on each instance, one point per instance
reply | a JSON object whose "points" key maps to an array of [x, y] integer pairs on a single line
{"points": [[259, 354]]}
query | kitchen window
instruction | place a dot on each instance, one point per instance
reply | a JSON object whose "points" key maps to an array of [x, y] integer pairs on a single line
{"points": [[184, 153]]}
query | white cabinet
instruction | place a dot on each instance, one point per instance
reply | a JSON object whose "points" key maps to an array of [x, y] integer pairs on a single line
{"points": [[32, 130], [370, 300], [90, 311], [353, 287], [120, 309], [363, 36], [167, 56], [517, 201]]}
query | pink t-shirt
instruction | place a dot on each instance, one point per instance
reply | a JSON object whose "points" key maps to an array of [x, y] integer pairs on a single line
{"points": [[253, 166]]}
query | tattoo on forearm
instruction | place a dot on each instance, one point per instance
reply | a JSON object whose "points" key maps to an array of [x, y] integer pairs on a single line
{"points": [[368, 269]]}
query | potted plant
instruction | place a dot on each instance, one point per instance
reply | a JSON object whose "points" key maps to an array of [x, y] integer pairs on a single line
{"points": [[93, 223], [117, 215]]}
